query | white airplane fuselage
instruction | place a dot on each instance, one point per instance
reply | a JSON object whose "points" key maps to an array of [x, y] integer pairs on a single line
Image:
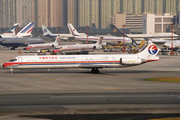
{"points": [[70, 61], [106, 39]]}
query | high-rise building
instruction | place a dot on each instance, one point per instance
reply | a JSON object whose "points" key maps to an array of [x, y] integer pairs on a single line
{"points": [[7, 13], [132, 7], [49, 13], [153, 6], [24, 12], [88, 12], [72, 12]]}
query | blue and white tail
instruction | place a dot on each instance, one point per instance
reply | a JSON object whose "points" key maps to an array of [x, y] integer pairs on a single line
{"points": [[46, 32], [28, 28], [72, 30]]}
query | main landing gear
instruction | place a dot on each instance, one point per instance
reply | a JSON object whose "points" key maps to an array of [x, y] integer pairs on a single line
{"points": [[11, 71], [95, 70]]}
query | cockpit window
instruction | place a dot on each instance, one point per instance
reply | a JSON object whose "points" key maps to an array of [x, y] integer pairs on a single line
{"points": [[12, 60]]}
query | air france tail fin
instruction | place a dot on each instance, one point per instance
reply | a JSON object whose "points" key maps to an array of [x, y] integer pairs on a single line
{"points": [[72, 30], [117, 31], [28, 28], [12, 29]]}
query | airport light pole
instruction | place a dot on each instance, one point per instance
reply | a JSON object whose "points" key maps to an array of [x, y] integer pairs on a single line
{"points": [[87, 33], [172, 53], [123, 37]]}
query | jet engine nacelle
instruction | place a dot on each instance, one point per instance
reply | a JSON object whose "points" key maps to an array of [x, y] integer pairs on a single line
{"points": [[125, 61]]}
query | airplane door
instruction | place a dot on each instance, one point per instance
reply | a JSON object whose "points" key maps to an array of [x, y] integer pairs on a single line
{"points": [[20, 60]]}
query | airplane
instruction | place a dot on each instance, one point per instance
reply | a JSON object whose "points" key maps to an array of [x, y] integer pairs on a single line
{"points": [[16, 42], [118, 32], [46, 46], [25, 32], [49, 34], [11, 32], [79, 49], [93, 62], [169, 43], [106, 39]]}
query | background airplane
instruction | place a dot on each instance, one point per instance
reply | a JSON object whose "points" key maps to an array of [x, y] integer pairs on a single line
{"points": [[93, 62], [16, 42], [11, 32], [25, 32], [46, 46], [49, 34], [118, 32], [106, 39], [78, 49]]}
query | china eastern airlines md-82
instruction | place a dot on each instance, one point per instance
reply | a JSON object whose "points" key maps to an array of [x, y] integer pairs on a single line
{"points": [[93, 62]]}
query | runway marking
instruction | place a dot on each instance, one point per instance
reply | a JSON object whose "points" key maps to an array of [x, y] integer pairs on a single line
{"points": [[113, 96], [112, 88], [53, 79]]}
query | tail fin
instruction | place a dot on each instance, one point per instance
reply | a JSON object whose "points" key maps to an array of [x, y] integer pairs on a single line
{"points": [[28, 28], [57, 41], [46, 32], [12, 29], [150, 52], [117, 31], [99, 42], [72, 30]]}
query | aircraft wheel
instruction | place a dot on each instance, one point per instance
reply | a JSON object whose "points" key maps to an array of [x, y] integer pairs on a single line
{"points": [[97, 71], [11, 71], [93, 70], [12, 48]]}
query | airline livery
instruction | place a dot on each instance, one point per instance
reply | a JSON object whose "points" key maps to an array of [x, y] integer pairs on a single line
{"points": [[93, 62]]}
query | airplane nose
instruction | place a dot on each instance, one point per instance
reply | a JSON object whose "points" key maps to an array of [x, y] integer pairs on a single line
{"points": [[3, 65]]}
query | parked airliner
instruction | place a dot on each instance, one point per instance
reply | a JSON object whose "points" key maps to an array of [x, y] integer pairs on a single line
{"points": [[63, 36], [25, 32], [106, 39], [118, 32], [11, 32], [78, 49], [93, 62], [46, 46]]}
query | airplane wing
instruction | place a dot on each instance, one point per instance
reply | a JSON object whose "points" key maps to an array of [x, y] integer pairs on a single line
{"points": [[1, 39]]}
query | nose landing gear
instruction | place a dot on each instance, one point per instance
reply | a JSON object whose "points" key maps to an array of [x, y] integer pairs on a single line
{"points": [[11, 71]]}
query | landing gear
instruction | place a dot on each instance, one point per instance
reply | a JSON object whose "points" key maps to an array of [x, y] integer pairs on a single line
{"points": [[13, 48], [11, 71], [95, 70]]}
